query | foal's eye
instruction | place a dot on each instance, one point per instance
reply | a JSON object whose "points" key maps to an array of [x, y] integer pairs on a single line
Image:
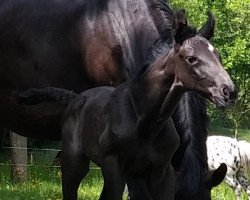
{"points": [[191, 60]]}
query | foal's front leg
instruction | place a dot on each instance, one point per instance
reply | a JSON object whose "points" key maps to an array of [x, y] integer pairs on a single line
{"points": [[114, 180], [138, 189], [163, 188]]}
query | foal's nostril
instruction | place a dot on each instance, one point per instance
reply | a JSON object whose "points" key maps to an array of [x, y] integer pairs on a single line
{"points": [[230, 94], [225, 91], [233, 95]]}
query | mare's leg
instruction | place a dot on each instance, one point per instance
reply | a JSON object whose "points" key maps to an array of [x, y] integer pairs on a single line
{"points": [[114, 180], [235, 185]]}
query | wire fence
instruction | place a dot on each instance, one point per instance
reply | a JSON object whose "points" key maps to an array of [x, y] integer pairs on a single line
{"points": [[31, 151], [36, 149]]}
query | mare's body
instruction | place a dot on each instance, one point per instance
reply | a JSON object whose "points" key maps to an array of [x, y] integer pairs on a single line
{"points": [[73, 45], [77, 45]]}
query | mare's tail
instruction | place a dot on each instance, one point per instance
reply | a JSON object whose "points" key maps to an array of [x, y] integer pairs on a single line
{"points": [[35, 96]]}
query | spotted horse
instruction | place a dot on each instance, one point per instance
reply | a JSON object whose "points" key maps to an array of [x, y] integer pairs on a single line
{"points": [[236, 155]]}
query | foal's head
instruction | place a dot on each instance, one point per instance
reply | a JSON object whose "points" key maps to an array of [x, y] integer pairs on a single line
{"points": [[198, 67]]}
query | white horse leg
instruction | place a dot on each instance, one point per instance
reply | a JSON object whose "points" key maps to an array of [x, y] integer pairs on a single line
{"points": [[244, 183], [235, 185]]}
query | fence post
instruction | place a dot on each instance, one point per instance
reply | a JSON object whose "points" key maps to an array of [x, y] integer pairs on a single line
{"points": [[19, 158]]}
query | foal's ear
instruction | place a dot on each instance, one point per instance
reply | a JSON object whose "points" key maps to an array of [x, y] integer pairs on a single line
{"points": [[207, 30], [180, 20], [215, 177]]}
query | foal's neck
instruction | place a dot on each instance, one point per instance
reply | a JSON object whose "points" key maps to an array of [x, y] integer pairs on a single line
{"points": [[157, 92]]}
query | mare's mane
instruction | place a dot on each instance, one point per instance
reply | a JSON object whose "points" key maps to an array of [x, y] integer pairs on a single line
{"points": [[190, 119], [163, 17]]}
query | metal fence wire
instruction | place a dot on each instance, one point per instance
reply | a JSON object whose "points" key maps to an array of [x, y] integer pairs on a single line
{"points": [[31, 151]]}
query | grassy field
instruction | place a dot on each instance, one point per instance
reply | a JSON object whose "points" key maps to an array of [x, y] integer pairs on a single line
{"points": [[44, 183]]}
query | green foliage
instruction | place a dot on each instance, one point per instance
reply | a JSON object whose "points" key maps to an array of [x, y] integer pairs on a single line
{"points": [[232, 38]]}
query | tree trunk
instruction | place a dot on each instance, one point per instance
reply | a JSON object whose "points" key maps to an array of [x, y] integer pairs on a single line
{"points": [[19, 158]]}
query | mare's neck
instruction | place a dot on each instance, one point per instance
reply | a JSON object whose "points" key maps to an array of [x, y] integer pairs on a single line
{"points": [[157, 92]]}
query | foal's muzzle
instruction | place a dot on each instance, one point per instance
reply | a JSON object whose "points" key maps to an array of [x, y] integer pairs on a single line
{"points": [[228, 96]]}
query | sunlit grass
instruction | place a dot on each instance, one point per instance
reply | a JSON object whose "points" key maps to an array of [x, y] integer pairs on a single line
{"points": [[45, 184], [224, 192]]}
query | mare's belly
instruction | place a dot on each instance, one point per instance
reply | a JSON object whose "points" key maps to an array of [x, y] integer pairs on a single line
{"points": [[41, 121]]}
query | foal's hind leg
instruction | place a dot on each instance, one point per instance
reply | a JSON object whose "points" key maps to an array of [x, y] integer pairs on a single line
{"points": [[75, 165], [114, 181]]}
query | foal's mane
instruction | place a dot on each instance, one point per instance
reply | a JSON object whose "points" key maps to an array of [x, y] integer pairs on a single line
{"points": [[166, 40]]}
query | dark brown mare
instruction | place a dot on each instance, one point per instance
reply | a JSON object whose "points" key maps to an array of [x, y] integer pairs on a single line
{"points": [[128, 131], [78, 44]]}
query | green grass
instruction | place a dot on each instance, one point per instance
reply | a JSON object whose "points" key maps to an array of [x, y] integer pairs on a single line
{"points": [[44, 183], [224, 192]]}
